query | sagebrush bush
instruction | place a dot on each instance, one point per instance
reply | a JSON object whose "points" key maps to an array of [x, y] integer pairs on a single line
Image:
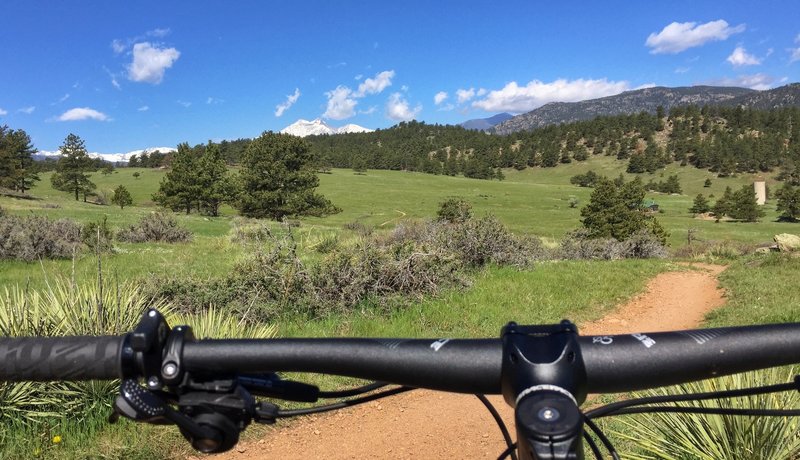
{"points": [[249, 230], [478, 242], [31, 238], [643, 244], [454, 209], [359, 228], [156, 227]]}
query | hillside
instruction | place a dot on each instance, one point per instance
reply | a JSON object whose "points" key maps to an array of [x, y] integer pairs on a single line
{"points": [[483, 124], [648, 100]]}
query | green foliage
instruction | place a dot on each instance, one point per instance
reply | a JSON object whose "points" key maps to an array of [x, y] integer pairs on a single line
{"points": [[98, 236], [721, 437], [585, 180], [743, 205], [700, 205], [723, 205], [616, 212], [707, 183], [156, 226], [671, 185], [122, 197], [31, 238], [216, 184], [72, 167], [17, 168], [788, 202], [454, 209], [180, 187], [278, 179]]}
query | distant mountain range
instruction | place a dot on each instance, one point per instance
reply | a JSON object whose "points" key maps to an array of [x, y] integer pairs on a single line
{"points": [[112, 157], [648, 99], [303, 128], [483, 124]]}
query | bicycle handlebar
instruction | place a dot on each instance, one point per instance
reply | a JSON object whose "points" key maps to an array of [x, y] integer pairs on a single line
{"points": [[613, 363]]}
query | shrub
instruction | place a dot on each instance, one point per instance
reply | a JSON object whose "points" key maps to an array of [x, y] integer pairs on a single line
{"points": [[643, 244], [30, 238], [723, 437], [156, 226], [477, 242], [327, 244], [98, 236], [454, 209], [359, 228], [249, 230]]}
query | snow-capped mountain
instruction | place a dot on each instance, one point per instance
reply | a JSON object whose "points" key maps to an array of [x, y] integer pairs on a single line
{"points": [[112, 157], [303, 128]]}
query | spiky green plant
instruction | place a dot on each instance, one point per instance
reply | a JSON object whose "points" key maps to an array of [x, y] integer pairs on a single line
{"points": [[216, 324], [720, 437]]}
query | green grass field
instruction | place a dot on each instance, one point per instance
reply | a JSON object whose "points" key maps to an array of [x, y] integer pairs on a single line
{"points": [[534, 201]]}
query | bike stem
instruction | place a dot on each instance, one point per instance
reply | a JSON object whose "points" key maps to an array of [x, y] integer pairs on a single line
{"points": [[544, 379]]}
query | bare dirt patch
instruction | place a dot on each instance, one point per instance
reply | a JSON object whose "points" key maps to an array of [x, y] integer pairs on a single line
{"points": [[428, 424]]}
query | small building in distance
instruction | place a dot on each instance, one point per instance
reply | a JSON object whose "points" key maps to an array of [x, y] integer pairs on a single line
{"points": [[760, 187]]}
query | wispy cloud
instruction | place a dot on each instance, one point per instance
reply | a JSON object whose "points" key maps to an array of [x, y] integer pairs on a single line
{"points": [[83, 113], [794, 53], [682, 69], [740, 58], [680, 36], [186, 104], [3, 112], [150, 62], [758, 81], [515, 98], [120, 45], [143, 108], [398, 109], [290, 100], [27, 110], [464, 95], [440, 97], [214, 100]]}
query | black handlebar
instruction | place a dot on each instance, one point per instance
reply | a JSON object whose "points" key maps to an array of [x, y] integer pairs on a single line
{"points": [[613, 363]]}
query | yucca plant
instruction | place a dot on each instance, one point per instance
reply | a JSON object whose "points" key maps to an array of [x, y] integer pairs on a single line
{"points": [[720, 437]]}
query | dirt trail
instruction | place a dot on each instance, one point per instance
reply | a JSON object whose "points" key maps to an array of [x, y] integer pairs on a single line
{"points": [[428, 424]]}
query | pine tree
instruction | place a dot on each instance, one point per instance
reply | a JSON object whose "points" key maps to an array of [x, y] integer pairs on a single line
{"points": [[180, 188], [745, 206], [17, 168], [278, 179], [74, 163], [616, 212], [122, 197], [216, 184], [700, 205], [788, 203], [723, 205]]}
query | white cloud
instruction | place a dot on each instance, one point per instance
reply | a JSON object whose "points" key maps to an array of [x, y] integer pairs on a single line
{"points": [[740, 58], [515, 98], [439, 97], [680, 36], [186, 104], [758, 81], [3, 112], [150, 62], [464, 95], [359, 77], [143, 108], [290, 100], [341, 103], [369, 111], [214, 100], [83, 113], [398, 108], [375, 85], [159, 33], [119, 46], [795, 52], [63, 98], [682, 69], [27, 110]]}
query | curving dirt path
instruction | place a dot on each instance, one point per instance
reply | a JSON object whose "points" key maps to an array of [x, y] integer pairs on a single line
{"points": [[427, 424]]}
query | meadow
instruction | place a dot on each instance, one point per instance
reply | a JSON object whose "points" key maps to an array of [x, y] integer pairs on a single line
{"points": [[533, 201]]}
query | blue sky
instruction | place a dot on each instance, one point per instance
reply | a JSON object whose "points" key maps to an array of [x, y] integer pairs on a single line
{"points": [[130, 75]]}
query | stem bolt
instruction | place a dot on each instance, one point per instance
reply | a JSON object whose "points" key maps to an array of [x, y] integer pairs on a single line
{"points": [[548, 414], [169, 369]]}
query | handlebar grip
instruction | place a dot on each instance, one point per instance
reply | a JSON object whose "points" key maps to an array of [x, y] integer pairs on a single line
{"points": [[60, 358]]}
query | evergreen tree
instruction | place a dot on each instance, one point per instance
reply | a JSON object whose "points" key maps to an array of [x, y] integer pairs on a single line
{"points": [[723, 205], [617, 212], [180, 188], [122, 197], [74, 163], [216, 184], [700, 205], [17, 167], [788, 203], [278, 179], [744, 205]]}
